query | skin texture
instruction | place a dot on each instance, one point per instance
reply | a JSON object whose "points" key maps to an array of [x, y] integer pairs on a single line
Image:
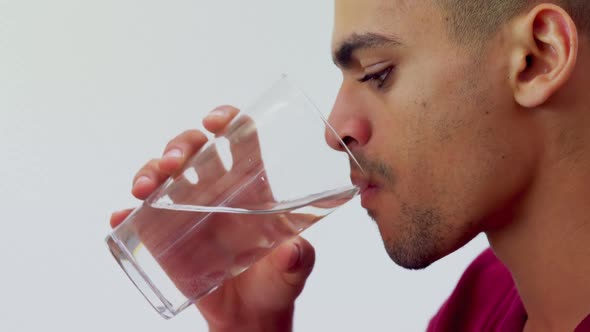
{"points": [[454, 140], [461, 140], [260, 299], [434, 126]]}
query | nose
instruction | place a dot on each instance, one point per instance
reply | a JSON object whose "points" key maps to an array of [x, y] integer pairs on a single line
{"points": [[348, 120]]}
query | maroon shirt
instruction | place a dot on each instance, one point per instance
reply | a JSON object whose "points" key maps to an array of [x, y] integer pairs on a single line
{"points": [[485, 299]]}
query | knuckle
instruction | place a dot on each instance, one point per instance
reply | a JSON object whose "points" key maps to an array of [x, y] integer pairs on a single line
{"points": [[153, 163], [187, 138], [150, 166], [195, 136], [229, 108]]}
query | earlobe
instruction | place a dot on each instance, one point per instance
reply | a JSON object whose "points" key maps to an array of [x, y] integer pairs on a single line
{"points": [[544, 55]]}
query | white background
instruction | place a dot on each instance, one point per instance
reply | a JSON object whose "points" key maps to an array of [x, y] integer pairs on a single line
{"points": [[90, 90]]}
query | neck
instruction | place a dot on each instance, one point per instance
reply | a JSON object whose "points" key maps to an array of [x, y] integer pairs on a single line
{"points": [[546, 246], [545, 243]]}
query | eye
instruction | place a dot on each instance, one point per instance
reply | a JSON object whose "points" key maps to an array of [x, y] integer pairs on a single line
{"points": [[379, 79]]}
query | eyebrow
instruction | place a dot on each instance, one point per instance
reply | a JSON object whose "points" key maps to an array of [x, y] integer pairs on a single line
{"points": [[345, 53]]}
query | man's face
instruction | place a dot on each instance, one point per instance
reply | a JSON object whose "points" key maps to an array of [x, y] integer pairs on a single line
{"points": [[434, 125]]}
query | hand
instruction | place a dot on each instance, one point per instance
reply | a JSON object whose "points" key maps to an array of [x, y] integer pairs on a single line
{"points": [[261, 298]]}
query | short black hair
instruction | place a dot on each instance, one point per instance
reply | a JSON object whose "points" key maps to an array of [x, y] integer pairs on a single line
{"points": [[471, 21]]}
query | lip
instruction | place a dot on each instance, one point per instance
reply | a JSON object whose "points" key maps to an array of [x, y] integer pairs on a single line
{"points": [[367, 195], [367, 189]]}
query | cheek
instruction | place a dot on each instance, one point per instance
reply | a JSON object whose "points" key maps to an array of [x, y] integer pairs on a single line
{"points": [[463, 166], [484, 153], [449, 144], [475, 172], [498, 173]]}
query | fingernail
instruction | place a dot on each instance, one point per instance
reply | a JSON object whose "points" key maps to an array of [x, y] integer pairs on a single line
{"points": [[142, 179], [120, 211], [218, 112], [173, 154], [295, 256]]}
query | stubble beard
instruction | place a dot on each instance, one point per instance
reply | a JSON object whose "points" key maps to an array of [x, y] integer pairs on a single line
{"points": [[418, 242]]}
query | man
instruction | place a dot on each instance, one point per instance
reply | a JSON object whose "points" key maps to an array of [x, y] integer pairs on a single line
{"points": [[468, 117]]}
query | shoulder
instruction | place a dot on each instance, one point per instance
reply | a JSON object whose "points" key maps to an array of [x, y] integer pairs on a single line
{"points": [[484, 290]]}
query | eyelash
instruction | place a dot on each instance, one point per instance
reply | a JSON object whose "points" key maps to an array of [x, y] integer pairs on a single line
{"points": [[379, 78]]}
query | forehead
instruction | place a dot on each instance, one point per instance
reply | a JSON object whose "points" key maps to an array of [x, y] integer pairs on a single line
{"points": [[390, 17]]}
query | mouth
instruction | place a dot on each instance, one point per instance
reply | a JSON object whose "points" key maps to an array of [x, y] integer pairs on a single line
{"points": [[367, 189]]}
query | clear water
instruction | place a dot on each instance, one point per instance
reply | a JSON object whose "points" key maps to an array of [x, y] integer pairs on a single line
{"points": [[184, 252]]}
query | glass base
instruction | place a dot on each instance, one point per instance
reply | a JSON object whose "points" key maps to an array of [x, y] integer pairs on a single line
{"points": [[140, 280]]}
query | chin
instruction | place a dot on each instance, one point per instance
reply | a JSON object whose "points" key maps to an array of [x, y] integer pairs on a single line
{"points": [[414, 252], [416, 236], [411, 260], [418, 251]]}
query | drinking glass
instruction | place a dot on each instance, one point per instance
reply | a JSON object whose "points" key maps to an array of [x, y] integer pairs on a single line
{"points": [[267, 177]]}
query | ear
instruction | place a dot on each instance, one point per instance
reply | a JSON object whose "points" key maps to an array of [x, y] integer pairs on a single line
{"points": [[545, 54]]}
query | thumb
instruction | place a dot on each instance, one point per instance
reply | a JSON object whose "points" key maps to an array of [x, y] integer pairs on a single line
{"points": [[294, 260]]}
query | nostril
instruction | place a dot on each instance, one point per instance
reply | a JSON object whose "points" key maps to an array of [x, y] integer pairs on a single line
{"points": [[348, 140]]}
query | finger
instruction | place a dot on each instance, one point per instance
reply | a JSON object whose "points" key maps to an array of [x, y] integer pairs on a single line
{"points": [[244, 142], [119, 216], [295, 260], [200, 190], [247, 156], [219, 118], [147, 179], [208, 165], [180, 149]]}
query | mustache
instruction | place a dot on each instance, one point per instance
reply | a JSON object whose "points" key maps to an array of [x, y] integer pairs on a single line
{"points": [[372, 167]]}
